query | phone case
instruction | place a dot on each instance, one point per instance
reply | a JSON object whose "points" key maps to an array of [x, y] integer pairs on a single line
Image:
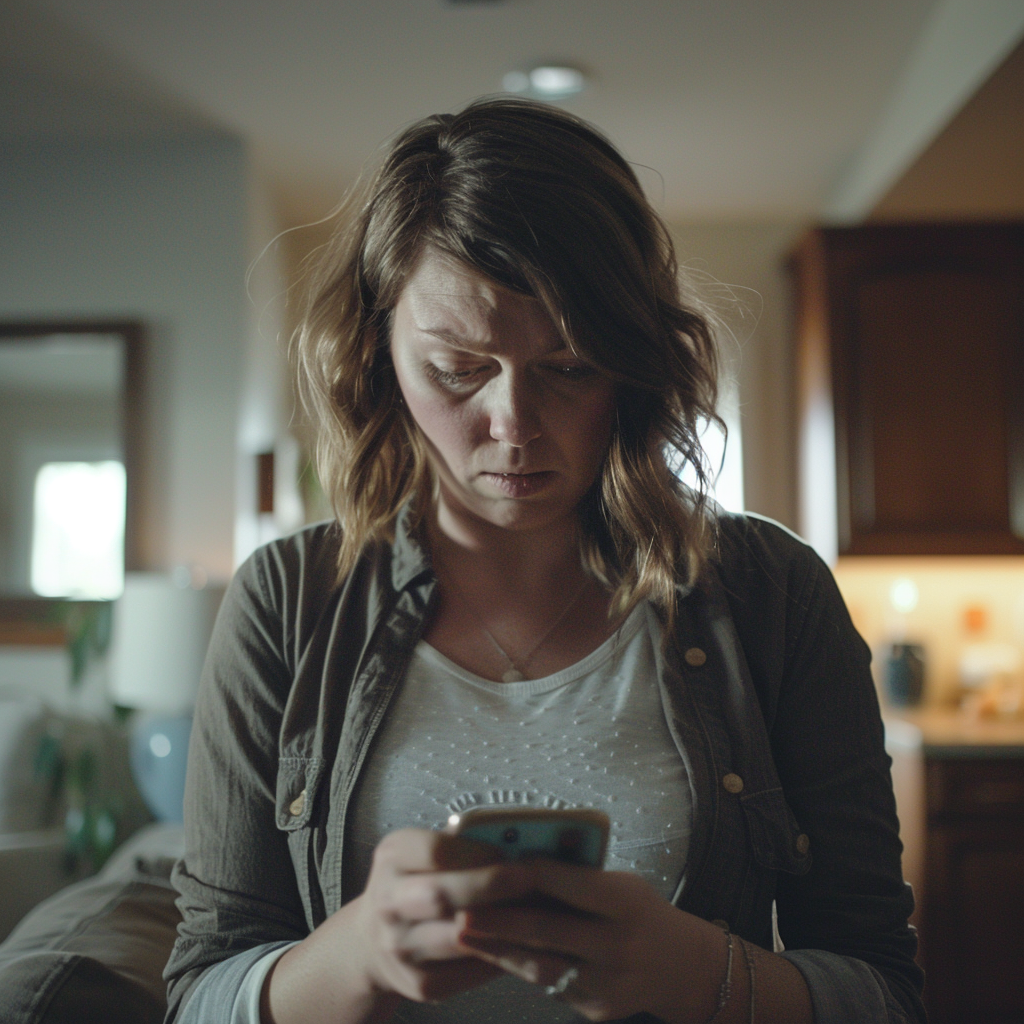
{"points": [[572, 836]]}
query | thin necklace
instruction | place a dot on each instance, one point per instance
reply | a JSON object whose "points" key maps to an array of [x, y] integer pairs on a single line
{"points": [[515, 673]]}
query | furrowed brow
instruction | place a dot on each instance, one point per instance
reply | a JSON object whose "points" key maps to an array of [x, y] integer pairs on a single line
{"points": [[449, 337]]}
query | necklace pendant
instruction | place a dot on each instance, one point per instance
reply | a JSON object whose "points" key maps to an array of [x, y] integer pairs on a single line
{"points": [[513, 675]]}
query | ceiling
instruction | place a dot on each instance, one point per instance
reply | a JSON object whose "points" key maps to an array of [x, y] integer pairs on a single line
{"points": [[731, 109]]}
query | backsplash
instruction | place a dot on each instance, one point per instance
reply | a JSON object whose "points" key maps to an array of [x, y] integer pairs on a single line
{"points": [[959, 601]]}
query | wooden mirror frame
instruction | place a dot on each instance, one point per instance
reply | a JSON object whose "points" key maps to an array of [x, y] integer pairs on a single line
{"points": [[36, 621]]}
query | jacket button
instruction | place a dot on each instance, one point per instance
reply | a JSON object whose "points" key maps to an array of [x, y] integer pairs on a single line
{"points": [[732, 783], [695, 657], [298, 805], [803, 843]]}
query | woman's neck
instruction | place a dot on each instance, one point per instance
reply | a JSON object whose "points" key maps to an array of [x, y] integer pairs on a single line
{"points": [[514, 604], [473, 550]]}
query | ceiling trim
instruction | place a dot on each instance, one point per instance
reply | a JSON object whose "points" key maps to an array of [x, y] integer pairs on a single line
{"points": [[963, 42]]}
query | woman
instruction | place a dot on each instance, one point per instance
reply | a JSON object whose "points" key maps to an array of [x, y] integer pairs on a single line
{"points": [[525, 606]]}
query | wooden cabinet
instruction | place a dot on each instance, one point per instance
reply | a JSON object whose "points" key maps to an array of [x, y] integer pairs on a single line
{"points": [[910, 382], [972, 914]]}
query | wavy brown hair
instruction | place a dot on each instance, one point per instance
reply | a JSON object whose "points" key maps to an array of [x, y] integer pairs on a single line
{"points": [[540, 202]]}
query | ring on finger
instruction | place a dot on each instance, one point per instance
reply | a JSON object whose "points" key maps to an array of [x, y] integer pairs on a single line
{"points": [[565, 982]]}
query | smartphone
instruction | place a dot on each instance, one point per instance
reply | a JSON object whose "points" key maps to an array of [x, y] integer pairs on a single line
{"points": [[572, 836]]}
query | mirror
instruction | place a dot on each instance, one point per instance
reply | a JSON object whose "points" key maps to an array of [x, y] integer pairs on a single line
{"points": [[69, 412]]}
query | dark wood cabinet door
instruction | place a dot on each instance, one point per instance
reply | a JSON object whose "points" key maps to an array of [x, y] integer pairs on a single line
{"points": [[972, 925], [920, 330]]}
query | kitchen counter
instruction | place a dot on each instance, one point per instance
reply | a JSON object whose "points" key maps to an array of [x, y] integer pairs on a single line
{"points": [[969, 876], [946, 732]]}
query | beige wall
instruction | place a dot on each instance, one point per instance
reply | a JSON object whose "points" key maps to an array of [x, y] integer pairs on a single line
{"points": [[740, 267]]}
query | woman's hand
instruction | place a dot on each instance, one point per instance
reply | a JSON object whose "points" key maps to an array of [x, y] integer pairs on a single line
{"points": [[435, 920], [628, 949], [400, 937], [419, 881]]}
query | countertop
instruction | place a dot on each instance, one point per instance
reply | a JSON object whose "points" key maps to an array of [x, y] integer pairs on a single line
{"points": [[946, 732]]}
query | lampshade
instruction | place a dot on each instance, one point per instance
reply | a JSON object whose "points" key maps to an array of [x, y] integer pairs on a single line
{"points": [[161, 631]]}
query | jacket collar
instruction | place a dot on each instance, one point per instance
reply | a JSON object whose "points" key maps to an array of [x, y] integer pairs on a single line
{"points": [[410, 557]]}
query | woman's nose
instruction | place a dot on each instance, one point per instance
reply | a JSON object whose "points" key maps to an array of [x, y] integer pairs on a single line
{"points": [[513, 412]]}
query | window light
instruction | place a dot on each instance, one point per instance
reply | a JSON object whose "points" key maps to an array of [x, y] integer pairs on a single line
{"points": [[725, 456], [78, 530]]}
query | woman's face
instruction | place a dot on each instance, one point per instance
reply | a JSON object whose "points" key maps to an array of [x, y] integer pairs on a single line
{"points": [[517, 426]]}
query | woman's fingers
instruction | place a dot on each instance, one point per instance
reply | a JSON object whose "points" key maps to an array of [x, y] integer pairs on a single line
{"points": [[538, 966], [426, 961], [575, 982], [568, 934], [445, 978], [582, 914], [418, 849], [602, 940], [419, 881], [440, 894], [428, 941], [609, 894]]}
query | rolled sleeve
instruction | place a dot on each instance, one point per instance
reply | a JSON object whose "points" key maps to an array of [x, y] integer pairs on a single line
{"points": [[845, 990], [236, 880], [224, 991]]}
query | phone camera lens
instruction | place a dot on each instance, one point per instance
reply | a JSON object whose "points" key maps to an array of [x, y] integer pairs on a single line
{"points": [[570, 845], [510, 835]]}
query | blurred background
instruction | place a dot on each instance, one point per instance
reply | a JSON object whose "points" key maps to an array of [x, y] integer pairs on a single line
{"points": [[167, 168]]}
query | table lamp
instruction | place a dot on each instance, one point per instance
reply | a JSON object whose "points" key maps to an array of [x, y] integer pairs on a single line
{"points": [[161, 631]]}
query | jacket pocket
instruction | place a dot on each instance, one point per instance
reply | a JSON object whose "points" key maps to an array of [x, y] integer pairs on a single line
{"points": [[298, 779], [775, 836]]}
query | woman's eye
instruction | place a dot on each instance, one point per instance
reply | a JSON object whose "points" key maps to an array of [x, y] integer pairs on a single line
{"points": [[448, 378], [574, 371], [455, 379]]}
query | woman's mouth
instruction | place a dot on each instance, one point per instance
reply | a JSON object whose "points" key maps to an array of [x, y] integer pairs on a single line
{"points": [[519, 485]]}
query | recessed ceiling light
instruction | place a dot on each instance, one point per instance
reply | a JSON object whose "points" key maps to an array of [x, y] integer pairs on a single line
{"points": [[546, 81]]}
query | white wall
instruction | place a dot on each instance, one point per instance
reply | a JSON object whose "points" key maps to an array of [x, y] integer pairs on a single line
{"points": [[161, 231], [265, 407], [156, 230]]}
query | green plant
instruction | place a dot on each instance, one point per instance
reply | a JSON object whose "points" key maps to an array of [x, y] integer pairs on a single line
{"points": [[91, 813], [70, 764], [88, 626]]}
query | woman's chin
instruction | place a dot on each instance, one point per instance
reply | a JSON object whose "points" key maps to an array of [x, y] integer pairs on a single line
{"points": [[506, 513]]}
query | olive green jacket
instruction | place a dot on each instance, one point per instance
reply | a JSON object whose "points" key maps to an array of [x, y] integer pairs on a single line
{"points": [[766, 691]]}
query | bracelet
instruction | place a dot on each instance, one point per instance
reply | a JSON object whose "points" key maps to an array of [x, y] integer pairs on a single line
{"points": [[749, 957], [725, 989]]}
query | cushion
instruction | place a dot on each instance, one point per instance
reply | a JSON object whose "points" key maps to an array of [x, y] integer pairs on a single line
{"points": [[96, 950]]}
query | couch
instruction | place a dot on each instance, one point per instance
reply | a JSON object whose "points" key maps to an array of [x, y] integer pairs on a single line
{"points": [[92, 950]]}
